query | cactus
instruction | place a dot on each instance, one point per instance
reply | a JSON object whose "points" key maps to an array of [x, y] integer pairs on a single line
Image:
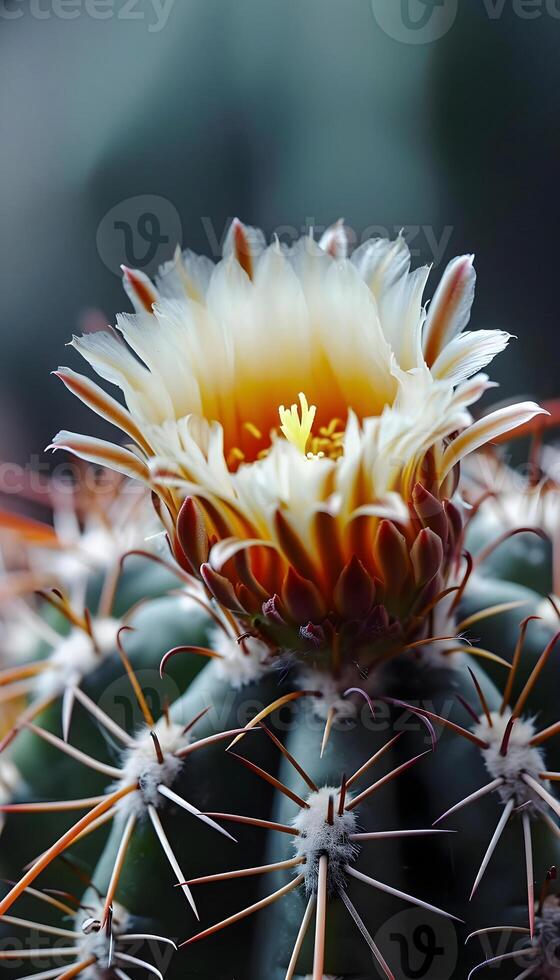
{"points": [[316, 737]]}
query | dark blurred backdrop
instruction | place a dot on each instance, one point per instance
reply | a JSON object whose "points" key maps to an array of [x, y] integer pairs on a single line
{"points": [[128, 123]]}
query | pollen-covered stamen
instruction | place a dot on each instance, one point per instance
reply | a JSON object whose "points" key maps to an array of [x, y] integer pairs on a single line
{"points": [[256, 447], [519, 758], [297, 425], [329, 441], [323, 831]]}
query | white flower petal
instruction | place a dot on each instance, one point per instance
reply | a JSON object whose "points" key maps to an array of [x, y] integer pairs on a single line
{"points": [[490, 427], [450, 309], [101, 453], [468, 353]]}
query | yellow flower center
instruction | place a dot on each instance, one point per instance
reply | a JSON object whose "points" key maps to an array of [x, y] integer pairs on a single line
{"points": [[298, 430], [296, 425]]}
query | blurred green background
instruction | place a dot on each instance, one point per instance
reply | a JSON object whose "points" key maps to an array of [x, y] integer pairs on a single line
{"points": [[284, 112]]}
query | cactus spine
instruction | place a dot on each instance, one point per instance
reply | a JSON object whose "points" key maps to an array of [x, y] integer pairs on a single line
{"points": [[312, 738]]}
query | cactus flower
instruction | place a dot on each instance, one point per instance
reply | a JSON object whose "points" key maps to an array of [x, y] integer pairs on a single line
{"points": [[301, 415]]}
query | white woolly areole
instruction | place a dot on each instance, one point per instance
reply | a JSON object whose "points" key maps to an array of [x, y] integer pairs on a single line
{"points": [[331, 689], [240, 663], [520, 757], [94, 940], [317, 838], [547, 938], [140, 765], [76, 656]]}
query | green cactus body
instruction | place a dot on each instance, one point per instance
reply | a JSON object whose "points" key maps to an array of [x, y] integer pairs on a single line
{"points": [[455, 771], [211, 781], [217, 783], [46, 773], [327, 747], [501, 633]]}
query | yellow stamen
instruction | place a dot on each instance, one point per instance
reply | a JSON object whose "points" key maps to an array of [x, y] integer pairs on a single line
{"points": [[235, 456], [297, 430], [252, 430], [327, 445], [329, 430]]}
